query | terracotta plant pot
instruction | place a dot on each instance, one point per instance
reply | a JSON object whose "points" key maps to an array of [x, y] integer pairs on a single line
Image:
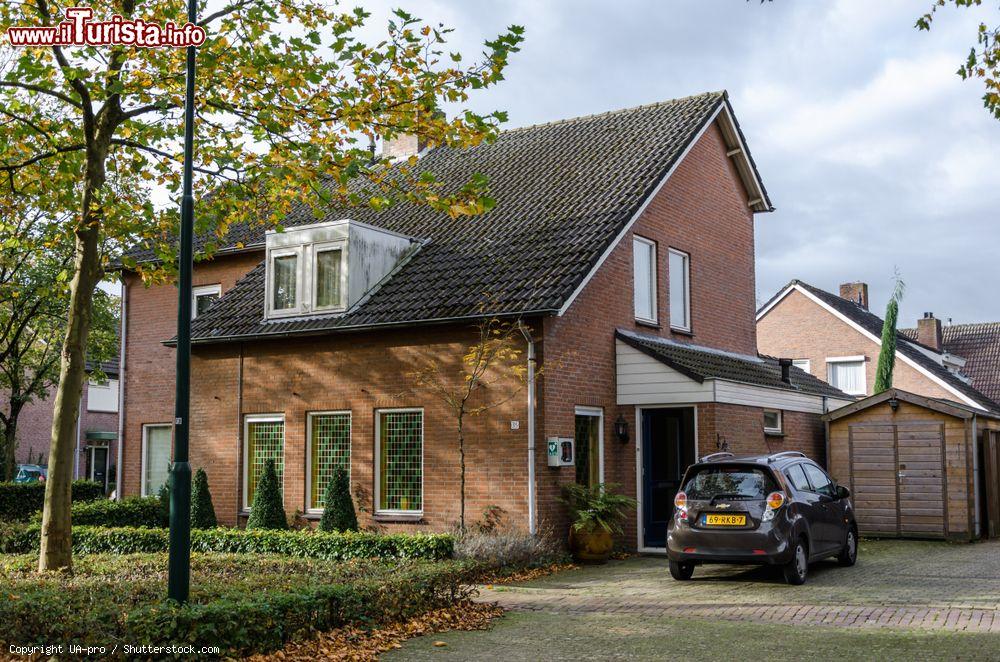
{"points": [[591, 546]]}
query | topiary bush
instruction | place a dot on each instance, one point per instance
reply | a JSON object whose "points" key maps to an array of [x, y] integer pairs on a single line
{"points": [[19, 501], [338, 510], [268, 508], [202, 510], [163, 497], [133, 511]]}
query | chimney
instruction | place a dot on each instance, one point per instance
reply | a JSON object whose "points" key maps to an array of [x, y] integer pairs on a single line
{"points": [[786, 368], [402, 146], [856, 292], [929, 331]]}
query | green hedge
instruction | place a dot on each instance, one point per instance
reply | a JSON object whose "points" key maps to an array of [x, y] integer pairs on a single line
{"points": [[133, 511], [19, 501], [240, 624], [16, 539]]}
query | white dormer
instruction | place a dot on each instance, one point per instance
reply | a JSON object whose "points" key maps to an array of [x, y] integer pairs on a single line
{"points": [[328, 267]]}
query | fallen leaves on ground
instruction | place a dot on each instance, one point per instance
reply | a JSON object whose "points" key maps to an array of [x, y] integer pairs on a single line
{"points": [[351, 644], [532, 573]]}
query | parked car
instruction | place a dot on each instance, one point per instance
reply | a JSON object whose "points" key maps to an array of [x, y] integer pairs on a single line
{"points": [[780, 509], [30, 473]]}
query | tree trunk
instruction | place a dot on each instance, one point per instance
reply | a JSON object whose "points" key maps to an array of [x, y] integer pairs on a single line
{"points": [[8, 471], [57, 543], [461, 463]]}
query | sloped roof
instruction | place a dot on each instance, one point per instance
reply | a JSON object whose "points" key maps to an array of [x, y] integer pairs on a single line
{"points": [[564, 192], [950, 407], [979, 345], [872, 323], [701, 363]]}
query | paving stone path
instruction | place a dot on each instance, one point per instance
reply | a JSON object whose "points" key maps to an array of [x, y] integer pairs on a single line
{"points": [[896, 584]]}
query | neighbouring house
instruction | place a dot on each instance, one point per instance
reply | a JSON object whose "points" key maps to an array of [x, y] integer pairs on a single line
{"points": [[622, 242], [978, 344], [97, 428], [917, 466], [838, 339]]}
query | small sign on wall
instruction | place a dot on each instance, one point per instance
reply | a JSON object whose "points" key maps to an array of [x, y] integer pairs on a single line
{"points": [[515, 425], [560, 452]]}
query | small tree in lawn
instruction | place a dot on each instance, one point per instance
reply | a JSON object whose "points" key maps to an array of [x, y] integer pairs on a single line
{"points": [[268, 509], [887, 355], [338, 507], [202, 510], [494, 358]]}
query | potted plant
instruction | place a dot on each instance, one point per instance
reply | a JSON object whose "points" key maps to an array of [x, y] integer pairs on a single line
{"points": [[597, 513]]}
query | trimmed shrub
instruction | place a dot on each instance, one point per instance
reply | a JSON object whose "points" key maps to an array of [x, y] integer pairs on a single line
{"points": [[338, 511], [164, 498], [133, 511], [268, 508], [202, 510], [19, 501], [24, 539]]}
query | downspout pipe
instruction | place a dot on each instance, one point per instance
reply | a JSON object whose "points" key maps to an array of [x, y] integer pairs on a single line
{"points": [[119, 450], [532, 517]]}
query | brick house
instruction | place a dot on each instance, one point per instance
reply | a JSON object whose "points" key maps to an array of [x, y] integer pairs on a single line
{"points": [[977, 343], [97, 429], [622, 242], [838, 339]]}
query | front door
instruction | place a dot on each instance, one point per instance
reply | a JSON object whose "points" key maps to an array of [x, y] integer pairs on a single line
{"points": [[99, 465], [668, 447]]}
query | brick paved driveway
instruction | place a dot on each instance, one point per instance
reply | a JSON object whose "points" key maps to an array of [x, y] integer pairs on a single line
{"points": [[896, 584]]}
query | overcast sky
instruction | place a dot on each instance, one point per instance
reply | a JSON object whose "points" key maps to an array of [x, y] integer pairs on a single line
{"points": [[874, 152]]}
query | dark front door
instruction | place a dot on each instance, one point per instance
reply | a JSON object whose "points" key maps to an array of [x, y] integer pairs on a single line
{"points": [[667, 449], [99, 465]]}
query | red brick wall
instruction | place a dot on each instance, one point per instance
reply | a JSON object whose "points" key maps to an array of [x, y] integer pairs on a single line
{"points": [[360, 373], [799, 328], [149, 365]]}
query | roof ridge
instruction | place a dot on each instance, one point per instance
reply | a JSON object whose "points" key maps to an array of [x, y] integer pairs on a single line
{"points": [[616, 111]]}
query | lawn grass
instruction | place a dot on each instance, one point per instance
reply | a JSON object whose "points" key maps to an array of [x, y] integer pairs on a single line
{"points": [[600, 636]]}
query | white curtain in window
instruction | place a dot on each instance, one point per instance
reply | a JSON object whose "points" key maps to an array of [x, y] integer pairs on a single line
{"points": [[644, 283], [679, 284], [285, 268], [848, 376], [157, 459], [328, 279]]}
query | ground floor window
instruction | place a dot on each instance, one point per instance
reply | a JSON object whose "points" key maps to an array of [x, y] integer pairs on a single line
{"points": [[329, 450], [589, 446], [263, 440], [399, 453], [772, 421], [155, 457]]}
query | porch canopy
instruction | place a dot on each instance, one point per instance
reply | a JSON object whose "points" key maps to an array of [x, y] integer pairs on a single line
{"points": [[654, 370]]}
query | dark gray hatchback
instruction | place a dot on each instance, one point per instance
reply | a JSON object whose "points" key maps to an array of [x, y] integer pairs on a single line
{"points": [[779, 509]]}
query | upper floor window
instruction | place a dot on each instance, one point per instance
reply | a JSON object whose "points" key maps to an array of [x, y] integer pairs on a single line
{"points": [[102, 395], [644, 278], [847, 373], [680, 290], [310, 268], [203, 297]]}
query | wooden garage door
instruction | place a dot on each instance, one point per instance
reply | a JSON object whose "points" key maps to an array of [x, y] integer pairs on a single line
{"points": [[898, 478]]}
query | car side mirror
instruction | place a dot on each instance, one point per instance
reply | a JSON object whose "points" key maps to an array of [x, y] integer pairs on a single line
{"points": [[843, 492]]}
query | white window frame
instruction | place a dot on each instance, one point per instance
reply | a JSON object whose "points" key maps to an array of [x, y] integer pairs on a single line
{"points": [[145, 455], [245, 451], [654, 258], [200, 291], [301, 303], [378, 463], [687, 289], [804, 365], [862, 359], [597, 412], [109, 389], [781, 422], [350, 451], [315, 250]]}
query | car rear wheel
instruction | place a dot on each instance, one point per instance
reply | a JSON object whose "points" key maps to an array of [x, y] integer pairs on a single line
{"points": [[796, 570], [681, 571], [849, 554]]}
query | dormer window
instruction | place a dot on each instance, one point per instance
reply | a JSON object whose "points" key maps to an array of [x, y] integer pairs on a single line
{"points": [[310, 268]]}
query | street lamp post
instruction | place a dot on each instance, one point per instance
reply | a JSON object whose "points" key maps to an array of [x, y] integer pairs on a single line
{"points": [[179, 573]]}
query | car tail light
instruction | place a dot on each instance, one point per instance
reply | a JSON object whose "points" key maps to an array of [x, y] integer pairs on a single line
{"points": [[681, 503], [774, 501]]}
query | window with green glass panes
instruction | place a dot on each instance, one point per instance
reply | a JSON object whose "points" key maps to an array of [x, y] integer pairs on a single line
{"points": [[401, 449], [330, 449], [265, 441]]}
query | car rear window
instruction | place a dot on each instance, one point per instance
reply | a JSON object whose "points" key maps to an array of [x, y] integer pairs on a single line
{"points": [[730, 481]]}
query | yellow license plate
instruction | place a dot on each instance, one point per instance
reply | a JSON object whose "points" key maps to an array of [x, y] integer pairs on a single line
{"points": [[725, 520]]}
